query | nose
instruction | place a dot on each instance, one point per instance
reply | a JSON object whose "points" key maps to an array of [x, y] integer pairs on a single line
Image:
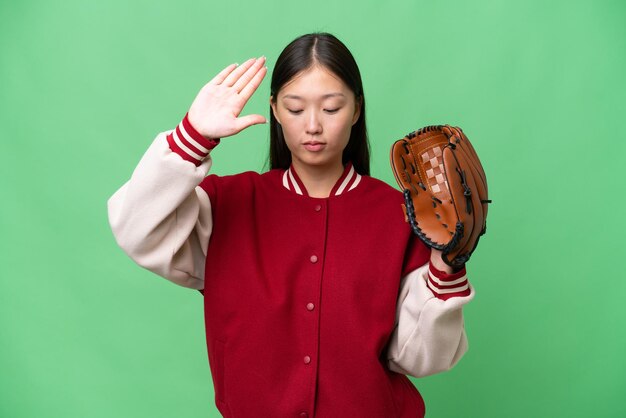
{"points": [[313, 124]]}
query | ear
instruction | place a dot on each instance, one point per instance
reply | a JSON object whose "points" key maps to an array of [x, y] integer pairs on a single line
{"points": [[273, 105], [357, 109]]}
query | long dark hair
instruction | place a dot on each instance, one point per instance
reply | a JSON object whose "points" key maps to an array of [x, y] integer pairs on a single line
{"points": [[301, 54]]}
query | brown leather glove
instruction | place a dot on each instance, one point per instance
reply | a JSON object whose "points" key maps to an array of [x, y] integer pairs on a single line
{"points": [[445, 190]]}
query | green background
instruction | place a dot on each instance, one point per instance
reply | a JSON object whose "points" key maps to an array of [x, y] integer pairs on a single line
{"points": [[539, 88]]}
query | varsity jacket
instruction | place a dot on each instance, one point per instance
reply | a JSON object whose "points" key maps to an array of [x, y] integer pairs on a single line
{"points": [[314, 307]]}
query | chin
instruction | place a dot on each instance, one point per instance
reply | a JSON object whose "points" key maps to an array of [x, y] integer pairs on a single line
{"points": [[316, 162]]}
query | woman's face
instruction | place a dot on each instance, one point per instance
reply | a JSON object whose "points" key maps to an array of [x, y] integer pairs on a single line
{"points": [[316, 111]]}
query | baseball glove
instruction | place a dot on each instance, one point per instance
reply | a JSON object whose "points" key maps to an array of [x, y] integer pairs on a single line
{"points": [[445, 190]]}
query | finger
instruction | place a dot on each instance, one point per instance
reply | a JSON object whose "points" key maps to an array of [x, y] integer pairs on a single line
{"points": [[222, 74], [234, 76], [251, 87], [247, 76], [249, 120]]}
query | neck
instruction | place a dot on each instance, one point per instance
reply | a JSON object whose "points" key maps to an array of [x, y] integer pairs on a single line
{"points": [[318, 180]]}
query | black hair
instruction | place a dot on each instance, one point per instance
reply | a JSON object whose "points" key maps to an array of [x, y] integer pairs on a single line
{"points": [[304, 52]]}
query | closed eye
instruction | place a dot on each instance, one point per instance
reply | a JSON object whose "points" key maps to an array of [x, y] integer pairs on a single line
{"points": [[296, 112]]}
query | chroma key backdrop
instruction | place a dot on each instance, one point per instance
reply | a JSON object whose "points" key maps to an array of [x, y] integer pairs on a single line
{"points": [[537, 86]]}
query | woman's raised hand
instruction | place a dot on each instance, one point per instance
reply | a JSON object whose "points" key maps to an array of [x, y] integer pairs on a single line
{"points": [[215, 111]]}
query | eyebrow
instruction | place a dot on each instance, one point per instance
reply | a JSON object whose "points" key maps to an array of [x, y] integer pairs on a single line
{"points": [[293, 96]]}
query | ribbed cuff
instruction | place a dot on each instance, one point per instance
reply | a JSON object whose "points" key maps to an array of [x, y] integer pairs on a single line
{"points": [[189, 143], [445, 285]]}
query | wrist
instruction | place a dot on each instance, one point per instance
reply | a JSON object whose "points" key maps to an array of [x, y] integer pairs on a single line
{"points": [[436, 260], [195, 124], [195, 133]]}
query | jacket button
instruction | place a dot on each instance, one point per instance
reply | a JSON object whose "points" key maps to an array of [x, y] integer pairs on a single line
{"points": [[310, 306], [313, 259], [303, 415], [317, 209], [307, 359]]}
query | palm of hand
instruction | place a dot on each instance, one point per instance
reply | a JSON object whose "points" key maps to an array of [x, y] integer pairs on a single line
{"points": [[216, 109]]}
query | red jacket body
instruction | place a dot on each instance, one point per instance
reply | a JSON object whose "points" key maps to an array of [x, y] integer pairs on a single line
{"points": [[300, 299]]}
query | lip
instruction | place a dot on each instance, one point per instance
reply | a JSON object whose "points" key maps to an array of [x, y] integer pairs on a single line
{"points": [[314, 145]]}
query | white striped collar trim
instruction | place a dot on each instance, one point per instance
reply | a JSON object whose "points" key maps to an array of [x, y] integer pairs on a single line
{"points": [[286, 180], [356, 182], [289, 182], [349, 180], [345, 181], [294, 183]]}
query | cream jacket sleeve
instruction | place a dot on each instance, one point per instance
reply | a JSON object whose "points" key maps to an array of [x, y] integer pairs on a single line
{"points": [[429, 336], [161, 218]]}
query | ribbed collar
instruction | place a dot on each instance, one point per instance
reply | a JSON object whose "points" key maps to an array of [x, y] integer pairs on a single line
{"points": [[349, 180]]}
